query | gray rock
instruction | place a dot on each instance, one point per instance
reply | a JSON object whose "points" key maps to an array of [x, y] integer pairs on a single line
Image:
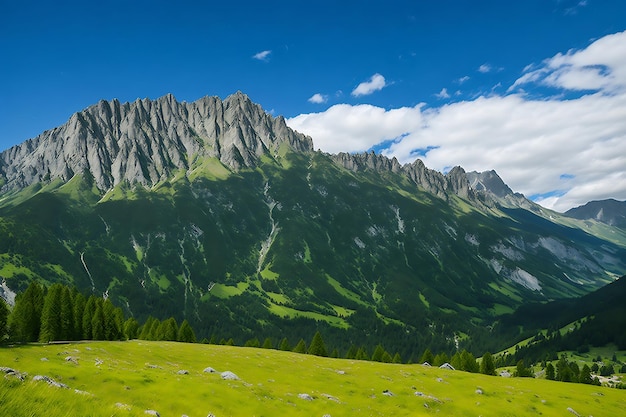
{"points": [[305, 397], [152, 413], [228, 375], [50, 381], [388, 393], [479, 391], [123, 406], [209, 370], [571, 410]]}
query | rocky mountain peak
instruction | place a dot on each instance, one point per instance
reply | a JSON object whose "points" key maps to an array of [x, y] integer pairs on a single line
{"points": [[147, 140]]}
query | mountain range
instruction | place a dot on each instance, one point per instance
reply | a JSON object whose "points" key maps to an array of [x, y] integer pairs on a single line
{"points": [[218, 212]]}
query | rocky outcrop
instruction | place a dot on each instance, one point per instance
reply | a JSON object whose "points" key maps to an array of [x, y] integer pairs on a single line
{"points": [[146, 141], [435, 182]]}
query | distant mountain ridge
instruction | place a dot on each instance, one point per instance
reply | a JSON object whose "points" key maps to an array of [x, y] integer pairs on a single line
{"points": [[610, 211], [146, 141]]}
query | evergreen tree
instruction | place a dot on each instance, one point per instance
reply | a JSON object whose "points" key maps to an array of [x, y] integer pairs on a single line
{"points": [[300, 347], [186, 333], [97, 323], [79, 309], [284, 344], [487, 366], [351, 353], [584, 376], [317, 347], [88, 313], [144, 334], [334, 353], [440, 359], [362, 354], [168, 330], [267, 343], [4, 319], [522, 371], [66, 315], [51, 315], [254, 342], [131, 328], [386, 358], [397, 358], [377, 356], [427, 356], [153, 331], [455, 361], [230, 342], [550, 372], [25, 319], [468, 362]]}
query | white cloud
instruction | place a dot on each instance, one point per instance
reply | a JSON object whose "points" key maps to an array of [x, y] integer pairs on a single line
{"points": [[563, 152], [485, 68], [263, 55], [600, 67], [318, 98], [375, 83], [443, 94], [463, 79]]}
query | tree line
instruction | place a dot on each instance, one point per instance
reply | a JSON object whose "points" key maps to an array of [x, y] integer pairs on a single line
{"points": [[61, 313]]}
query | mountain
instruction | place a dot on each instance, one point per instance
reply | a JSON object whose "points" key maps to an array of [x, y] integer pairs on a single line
{"points": [[611, 212], [217, 212]]}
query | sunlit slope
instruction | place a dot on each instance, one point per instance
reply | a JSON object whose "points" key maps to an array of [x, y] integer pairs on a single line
{"points": [[127, 378]]}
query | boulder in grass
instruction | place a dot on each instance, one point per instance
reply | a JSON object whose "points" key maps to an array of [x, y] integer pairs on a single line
{"points": [[183, 372], [152, 413], [209, 370], [228, 375], [305, 397]]}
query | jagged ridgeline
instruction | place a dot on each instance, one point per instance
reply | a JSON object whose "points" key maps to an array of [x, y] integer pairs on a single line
{"points": [[219, 213]]}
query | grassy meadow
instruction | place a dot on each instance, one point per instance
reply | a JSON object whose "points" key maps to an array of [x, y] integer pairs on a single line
{"points": [[128, 378]]}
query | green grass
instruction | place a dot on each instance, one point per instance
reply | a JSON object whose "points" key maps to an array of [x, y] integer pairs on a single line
{"points": [[143, 375]]}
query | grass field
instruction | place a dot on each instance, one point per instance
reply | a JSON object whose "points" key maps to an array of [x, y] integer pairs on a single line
{"points": [[128, 378]]}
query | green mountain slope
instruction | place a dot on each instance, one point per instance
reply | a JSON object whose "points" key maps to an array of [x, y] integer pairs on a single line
{"points": [[256, 235]]}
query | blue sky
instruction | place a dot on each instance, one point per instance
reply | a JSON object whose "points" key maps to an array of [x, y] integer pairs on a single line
{"points": [[411, 67]]}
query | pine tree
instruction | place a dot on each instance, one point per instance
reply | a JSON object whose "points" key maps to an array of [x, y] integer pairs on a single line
{"points": [[168, 330], [550, 372], [4, 319], [67, 315], [440, 359], [88, 313], [386, 358], [51, 315], [79, 309], [284, 344], [267, 343], [317, 347], [300, 347], [351, 353], [254, 342], [468, 362], [487, 365], [334, 353], [131, 328], [585, 375], [145, 329], [362, 354], [377, 356], [25, 319], [427, 357], [397, 358], [97, 323], [186, 333]]}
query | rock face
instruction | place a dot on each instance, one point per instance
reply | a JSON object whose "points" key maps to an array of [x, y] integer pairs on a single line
{"points": [[147, 141], [611, 212]]}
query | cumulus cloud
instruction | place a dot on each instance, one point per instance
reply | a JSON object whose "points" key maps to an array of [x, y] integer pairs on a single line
{"points": [[375, 83], [561, 152], [317, 98], [263, 55]]}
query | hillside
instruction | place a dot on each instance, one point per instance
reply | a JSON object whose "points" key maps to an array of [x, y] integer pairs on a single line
{"points": [[217, 212], [128, 378], [611, 212]]}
